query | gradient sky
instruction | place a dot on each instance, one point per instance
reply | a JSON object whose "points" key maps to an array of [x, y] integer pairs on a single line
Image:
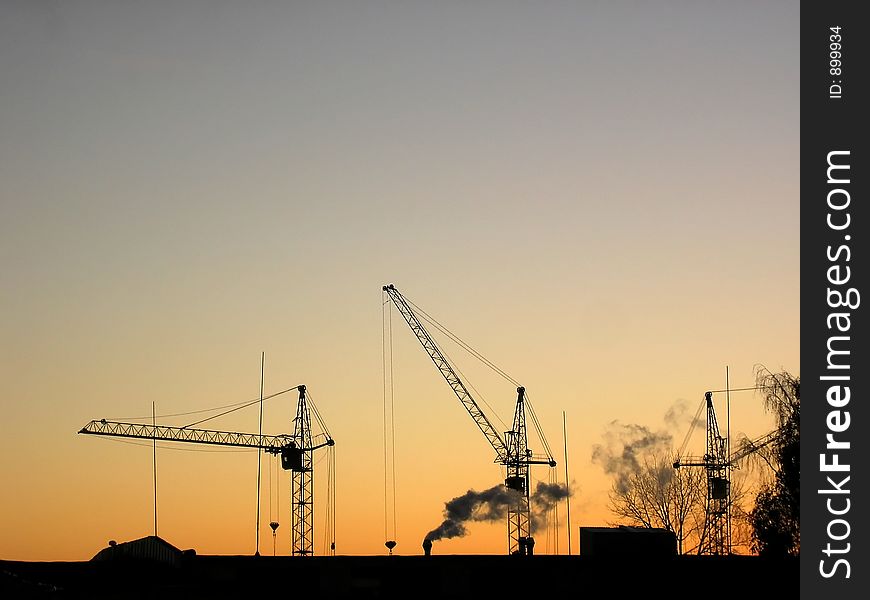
{"points": [[601, 197]]}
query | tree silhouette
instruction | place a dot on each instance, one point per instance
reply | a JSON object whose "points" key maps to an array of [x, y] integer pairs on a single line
{"points": [[657, 495], [776, 516]]}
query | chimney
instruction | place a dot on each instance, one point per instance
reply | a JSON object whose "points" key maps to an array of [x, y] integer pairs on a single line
{"points": [[521, 550], [427, 547]]}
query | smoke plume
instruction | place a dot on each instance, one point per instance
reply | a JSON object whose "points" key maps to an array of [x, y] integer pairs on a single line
{"points": [[676, 414], [626, 445], [493, 505], [543, 500], [677, 417]]}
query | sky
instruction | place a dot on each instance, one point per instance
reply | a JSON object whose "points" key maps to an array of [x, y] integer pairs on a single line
{"points": [[600, 197]]}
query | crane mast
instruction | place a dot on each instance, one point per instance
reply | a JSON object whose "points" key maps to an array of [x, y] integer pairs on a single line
{"points": [[718, 486], [512, 450], [718, 464], [296, 453], [717, 538], [518, 477], [302, 484]]}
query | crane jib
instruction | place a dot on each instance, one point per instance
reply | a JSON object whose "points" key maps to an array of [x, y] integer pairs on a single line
{"points": [[483, 423], [269, 443]]}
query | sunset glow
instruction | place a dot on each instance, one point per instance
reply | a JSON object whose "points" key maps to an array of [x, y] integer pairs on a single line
{"points": [[601, 198]]}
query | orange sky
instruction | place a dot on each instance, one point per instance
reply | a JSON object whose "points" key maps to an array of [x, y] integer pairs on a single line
{"points": [[600, 198]]}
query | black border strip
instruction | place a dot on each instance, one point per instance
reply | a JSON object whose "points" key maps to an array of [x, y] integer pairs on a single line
{"points": [[834, 110]]}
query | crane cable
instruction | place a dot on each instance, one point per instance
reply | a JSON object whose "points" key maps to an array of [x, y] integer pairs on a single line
{"points": [[430, 320], [235, 405], [277, 492], [538, 428], [316, 413], [389, 424], [467, 347], [276, 464], [226, 412], [554, 480], [273, 519], [334, 504], [702, 404], [459, 341], [692, 427], [329, 529], [274, 490]]}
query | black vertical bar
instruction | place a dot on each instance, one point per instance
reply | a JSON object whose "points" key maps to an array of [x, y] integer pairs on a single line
{"points": [[834, 223]]}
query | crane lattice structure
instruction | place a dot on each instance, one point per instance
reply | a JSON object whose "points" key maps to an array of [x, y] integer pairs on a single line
{"points": [[512, 450], [296, 452], [302, 482], [717, 527], [715, 460]]}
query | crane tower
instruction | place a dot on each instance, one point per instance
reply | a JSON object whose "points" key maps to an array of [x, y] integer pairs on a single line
{"points": [[296, 452], [715, 460], [718, 464], [512, 450], [302, 478]]}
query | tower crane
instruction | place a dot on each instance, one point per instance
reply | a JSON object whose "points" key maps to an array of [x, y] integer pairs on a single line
{"points": [[715, 461], [512, 450], [718, 465], [296, 452]]}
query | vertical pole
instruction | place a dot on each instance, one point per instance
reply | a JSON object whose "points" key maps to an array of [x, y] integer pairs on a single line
{"points": [[332, 460], [556, 523], [728, 458], [260, 452], [154, 463], [567, 481], [392, 427], [728, 414]]}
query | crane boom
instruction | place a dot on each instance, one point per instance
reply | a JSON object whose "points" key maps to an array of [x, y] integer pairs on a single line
{"points": [[746, 448], [269, 443], [492, 435], [296, 453], [755, 445], [512, 450]]}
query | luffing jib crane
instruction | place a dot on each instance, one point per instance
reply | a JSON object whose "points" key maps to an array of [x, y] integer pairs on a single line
{"points": [[512, 450], [296, 452]]}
